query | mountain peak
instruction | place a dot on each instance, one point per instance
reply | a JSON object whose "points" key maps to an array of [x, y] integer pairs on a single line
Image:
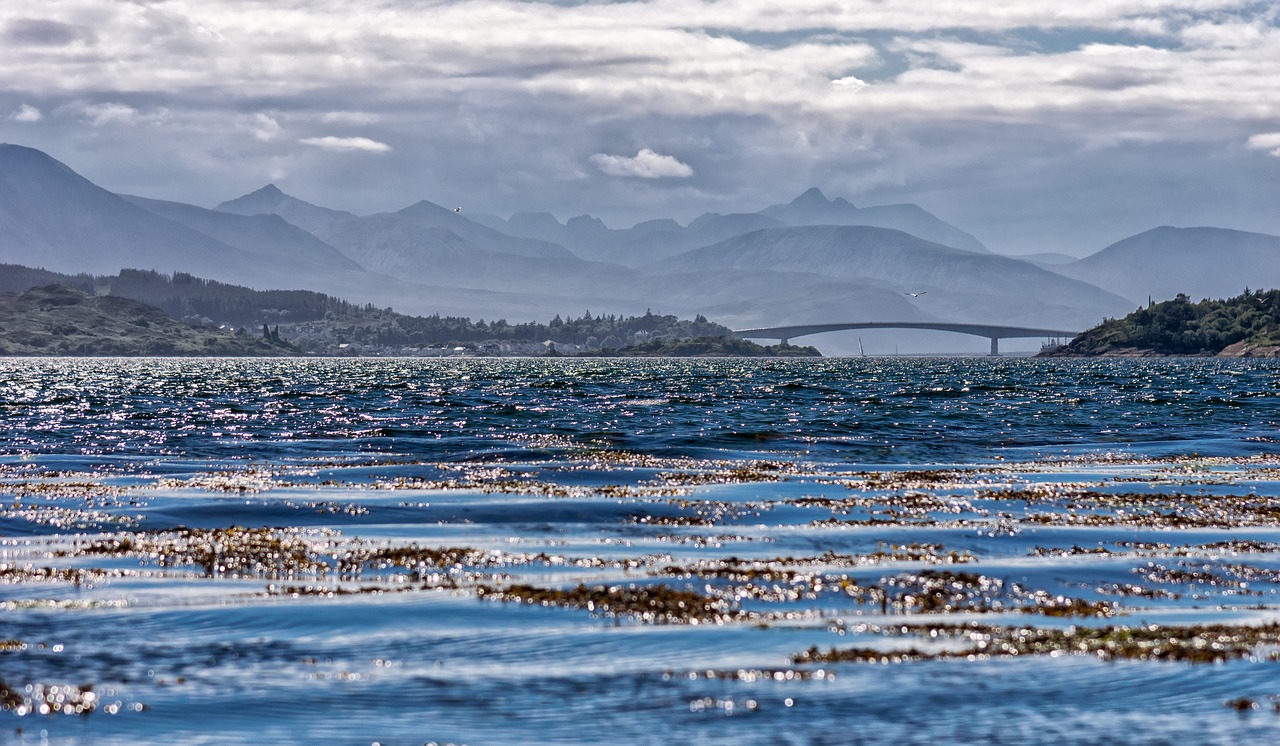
{"points": [[424, 208], [585, 221], [17, 157], [813, 196], [271, 200]]}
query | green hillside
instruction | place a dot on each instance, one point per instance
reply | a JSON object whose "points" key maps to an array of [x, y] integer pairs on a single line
{"points": [[1180, 327], [57, 320], [321, 324]]}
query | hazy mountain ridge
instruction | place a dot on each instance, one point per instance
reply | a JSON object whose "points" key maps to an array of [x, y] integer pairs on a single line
{"points": [[952, 278], [407, 249], [268, 235], [643, 243], [1201, 262], [813, 208], [270, 200], [53, 217], [880, 253], [654, 240], [426, 214]]}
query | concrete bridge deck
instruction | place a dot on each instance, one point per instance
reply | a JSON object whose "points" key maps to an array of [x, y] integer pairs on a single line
{"points": [[994, 332]]}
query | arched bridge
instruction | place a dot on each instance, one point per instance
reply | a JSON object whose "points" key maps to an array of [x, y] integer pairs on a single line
{"points": [[991, 331]]}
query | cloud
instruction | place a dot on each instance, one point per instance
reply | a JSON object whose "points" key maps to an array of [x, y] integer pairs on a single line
{"points": [[645, 165], [346, 144], [109, 113], [263, 127], [349, 117], [26, 113], [849, 82], [39, 32], [511, 105], [1269, 141]]}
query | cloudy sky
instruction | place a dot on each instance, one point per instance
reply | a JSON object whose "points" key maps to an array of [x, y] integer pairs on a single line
{"points": [[1036, 126]]}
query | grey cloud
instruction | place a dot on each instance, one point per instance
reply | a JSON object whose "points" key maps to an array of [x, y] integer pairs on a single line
{"points": [[27, 113], [1113, 80], [1028, 146], [38, 32], [527, 70]]}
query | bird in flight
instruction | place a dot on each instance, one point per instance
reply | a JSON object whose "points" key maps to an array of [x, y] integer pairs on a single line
{"points": [[457, 209], [916, 295]]}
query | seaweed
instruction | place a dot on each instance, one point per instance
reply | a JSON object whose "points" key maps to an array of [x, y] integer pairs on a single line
{"points": [[659, 604], [1210, 643]]}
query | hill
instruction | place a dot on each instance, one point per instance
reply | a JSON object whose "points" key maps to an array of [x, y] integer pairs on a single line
{"points": [[58, 320], [52, 216], [1201, 262], [1247, 325], [961, 285], [321, 324], [267, 236]]}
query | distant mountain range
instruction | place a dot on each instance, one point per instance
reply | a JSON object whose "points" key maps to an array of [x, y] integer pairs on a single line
{"points": [[810, 260], [813, 208], [654, 240]]}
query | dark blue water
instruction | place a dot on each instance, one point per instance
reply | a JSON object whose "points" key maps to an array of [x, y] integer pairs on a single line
{"points": [[615, 473], [899, 410]]}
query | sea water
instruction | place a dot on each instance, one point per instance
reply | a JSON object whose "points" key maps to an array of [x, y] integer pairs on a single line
{"points": [[496, 551]]}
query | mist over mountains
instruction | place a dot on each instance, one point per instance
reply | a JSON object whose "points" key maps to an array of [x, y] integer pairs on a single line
{"points": [[811, 260]]}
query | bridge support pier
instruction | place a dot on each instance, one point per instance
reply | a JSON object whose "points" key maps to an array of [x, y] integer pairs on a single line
{"points": [[995, 347], [784, 341]]}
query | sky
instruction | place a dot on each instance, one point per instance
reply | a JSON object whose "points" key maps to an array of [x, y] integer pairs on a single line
{"points": [[1035, 126]]}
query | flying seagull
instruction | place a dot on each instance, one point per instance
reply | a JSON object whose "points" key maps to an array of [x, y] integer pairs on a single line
{"points": [[457, 209], [916, 295]]}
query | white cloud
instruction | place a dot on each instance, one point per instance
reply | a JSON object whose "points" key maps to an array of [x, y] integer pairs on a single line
{"points": [[101, 115], [1269, 141], [645, 165], [345, 144], [349, 117], [849, 82], [26, 113], [263, 127]]}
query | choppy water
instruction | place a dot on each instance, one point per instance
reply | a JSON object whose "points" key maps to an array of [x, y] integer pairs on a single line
{"points": [[808, 503]]}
